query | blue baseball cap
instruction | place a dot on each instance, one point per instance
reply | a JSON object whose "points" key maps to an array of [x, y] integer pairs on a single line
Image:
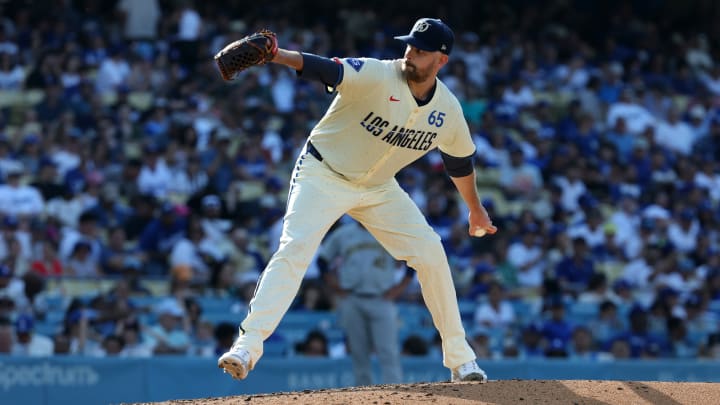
{"points": [[430, 34], [24, 323]]}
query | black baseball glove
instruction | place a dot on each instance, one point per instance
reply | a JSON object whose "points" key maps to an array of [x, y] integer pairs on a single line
{"points": [[255, 49]]}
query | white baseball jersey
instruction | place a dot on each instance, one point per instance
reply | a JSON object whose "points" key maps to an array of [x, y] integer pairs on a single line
{"points": [[374, 127]]}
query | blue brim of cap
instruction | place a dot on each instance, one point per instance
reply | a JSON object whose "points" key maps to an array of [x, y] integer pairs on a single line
{"points": [[408, 39]]}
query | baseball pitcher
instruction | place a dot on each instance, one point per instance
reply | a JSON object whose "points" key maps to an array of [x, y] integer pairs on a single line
{"points": [[385, 115]]}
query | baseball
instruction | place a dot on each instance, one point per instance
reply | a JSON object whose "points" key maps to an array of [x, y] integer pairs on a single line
{"points": [[479, 232]]}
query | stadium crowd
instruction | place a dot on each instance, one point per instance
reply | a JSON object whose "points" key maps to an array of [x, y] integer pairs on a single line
{"points": [[125, 157]]}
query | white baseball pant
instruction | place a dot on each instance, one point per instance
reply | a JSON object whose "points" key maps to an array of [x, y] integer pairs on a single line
{"points": [[318, 197]]}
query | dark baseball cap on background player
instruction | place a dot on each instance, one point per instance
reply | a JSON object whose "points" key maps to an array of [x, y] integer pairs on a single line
{"points": [[430, 34]]}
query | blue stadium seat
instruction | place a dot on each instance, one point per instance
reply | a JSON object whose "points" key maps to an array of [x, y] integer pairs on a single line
{"points": [[413, 316], [55, 316], [583, 311], [55, 301], [467, 309], [147, 301], [714, 306], [428, 334], [221, 316], [215, 304], [296, 335], [48, 328], [275, 348], [308, 320], [497, 338], [523, 311]]}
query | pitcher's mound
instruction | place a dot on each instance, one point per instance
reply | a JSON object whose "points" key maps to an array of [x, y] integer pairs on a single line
{"points": [[494, 392]]}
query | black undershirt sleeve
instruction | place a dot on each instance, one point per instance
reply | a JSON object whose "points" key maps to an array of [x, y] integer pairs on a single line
{"points": [[327, 71], [457, 166], [323, 266]]}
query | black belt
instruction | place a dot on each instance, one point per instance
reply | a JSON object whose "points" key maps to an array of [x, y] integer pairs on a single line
{"points": [[366, 295], [311, 150]]}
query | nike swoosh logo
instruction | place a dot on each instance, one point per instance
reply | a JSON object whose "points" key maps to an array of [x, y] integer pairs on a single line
{"points": [[394, 99]]}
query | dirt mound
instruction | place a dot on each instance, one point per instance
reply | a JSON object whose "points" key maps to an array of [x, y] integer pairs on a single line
{"points": [[494, 392]]}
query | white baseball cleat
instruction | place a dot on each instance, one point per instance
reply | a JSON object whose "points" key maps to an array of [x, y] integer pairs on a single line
{"points": [[235, 362], [469, 371]]}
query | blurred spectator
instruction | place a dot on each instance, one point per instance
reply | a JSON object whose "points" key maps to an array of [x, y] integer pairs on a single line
{"points": [[29, 343], [712, 350], [243, 264], [159, 237], [620, 349], [216, 227], [314, 345], [155, 176], [681, 346], [699, 321], [532, 344], [480, 343], [224, 337], [203, 343], [140, 18], [675, 134], [642, 342], [414, 345], [640, 271], [557, 330], [15, 244], [483, 275], [12, 74], [519, 179], [67, 207], [135, 344], [575, 272], [608, 322], [527, 256], [141, 215], [46, 181], [597, 290], [113, 71], [19, 199], [496, 312], [313, 296], [189, 31], [171, 334], [61, 344], [683, 232], [86, 231], [112, 345], [634, 117], [572, 188], [582, 344], [118, 256], [81, 263], [556, 349], [195, 257], [6, 336], [518, 94], [12, 287]]}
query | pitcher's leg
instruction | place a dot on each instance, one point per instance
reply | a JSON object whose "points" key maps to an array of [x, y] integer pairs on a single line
{"points": [[313, 206], [394, 219]]}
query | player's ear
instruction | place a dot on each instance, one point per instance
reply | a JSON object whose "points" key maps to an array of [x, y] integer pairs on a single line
{"points": [[443, 60]]}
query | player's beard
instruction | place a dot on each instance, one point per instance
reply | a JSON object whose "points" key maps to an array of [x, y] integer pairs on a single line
{"points": [[414, 74]]}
